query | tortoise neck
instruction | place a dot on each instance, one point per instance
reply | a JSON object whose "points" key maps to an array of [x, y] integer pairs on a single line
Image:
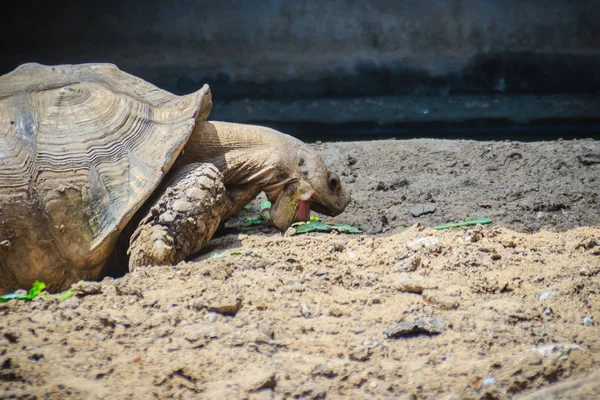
{"points": [[245, 154]]}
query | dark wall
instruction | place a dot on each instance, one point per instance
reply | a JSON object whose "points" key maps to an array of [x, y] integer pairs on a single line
{"points": [[313, 48]]}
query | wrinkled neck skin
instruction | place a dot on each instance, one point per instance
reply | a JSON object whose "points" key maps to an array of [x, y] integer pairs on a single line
{"points": [[251, 158]]}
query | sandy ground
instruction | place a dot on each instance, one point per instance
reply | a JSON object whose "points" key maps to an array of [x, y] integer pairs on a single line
{"points": [[400, 311]]}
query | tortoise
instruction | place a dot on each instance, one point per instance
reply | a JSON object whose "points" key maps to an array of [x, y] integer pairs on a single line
{"points": [[99, 167]]}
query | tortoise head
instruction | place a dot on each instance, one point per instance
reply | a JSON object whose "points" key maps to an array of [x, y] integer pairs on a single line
{"points": [[254, 158], [308, 184]]}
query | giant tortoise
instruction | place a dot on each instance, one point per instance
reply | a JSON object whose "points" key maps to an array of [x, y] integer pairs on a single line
{"points": [[92, 157]]}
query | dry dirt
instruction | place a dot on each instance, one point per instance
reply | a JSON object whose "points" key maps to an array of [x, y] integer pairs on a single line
{"points": [[502, 311]]}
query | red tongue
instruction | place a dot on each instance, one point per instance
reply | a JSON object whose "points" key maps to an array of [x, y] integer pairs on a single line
{"points": [[303, 213]]}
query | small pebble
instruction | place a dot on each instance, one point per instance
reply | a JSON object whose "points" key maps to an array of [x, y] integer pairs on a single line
{"points": [[304, 310], [360, 353], [545, 295], [588, 321], [335, 311], [489, 381], [226, 306], [259, 381]]}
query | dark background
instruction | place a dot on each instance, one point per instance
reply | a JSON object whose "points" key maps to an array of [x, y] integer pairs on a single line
{"points": [[344, 69]]}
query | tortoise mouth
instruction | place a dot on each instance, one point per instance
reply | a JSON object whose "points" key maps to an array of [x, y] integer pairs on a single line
{"points": [[315, 204], [303, 211]]}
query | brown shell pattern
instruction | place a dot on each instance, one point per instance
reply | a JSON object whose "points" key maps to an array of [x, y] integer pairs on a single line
{"points": [[82, 147]]}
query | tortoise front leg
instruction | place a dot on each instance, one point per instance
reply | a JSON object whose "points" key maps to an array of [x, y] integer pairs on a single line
{"points": [[182, 220]]}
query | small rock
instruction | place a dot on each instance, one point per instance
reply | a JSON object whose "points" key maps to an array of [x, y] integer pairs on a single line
{"points": [[427, 242], [441, 299], [410, 264], [127, 290], [370, 344], [229, 306], [589, 158], [338, 245], [588, 243], [259, 381], [304, 310], [84, 288], [588, 321], [335, 311], [360, 353], [510, 243], [291, 231], [106, 319], [556, 350], [410, 283], [323, 370], [417, 210], [488, 381], [381, 186], [545, 295], [310, 391], [199, 332], [425, 325]]}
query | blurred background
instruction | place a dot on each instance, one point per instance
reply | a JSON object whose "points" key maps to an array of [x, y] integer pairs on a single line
{"points": [[342, 69]]}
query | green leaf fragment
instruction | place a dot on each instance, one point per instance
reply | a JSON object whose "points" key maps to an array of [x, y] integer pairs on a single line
{"points": [[9, 296], [471, 222], [35, 290], [263, 216], [312, 226], [265, 204], [65, 295], [256, 220]]}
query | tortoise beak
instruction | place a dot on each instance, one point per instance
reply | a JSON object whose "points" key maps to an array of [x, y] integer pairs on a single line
{"points": [[321, 209], [331, 208]]}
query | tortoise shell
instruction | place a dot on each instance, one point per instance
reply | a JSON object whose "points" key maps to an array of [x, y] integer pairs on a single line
{"points": [[82, 147]]}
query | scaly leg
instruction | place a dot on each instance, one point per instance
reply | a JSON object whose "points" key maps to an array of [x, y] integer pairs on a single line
{"points": [[182, 220]]}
